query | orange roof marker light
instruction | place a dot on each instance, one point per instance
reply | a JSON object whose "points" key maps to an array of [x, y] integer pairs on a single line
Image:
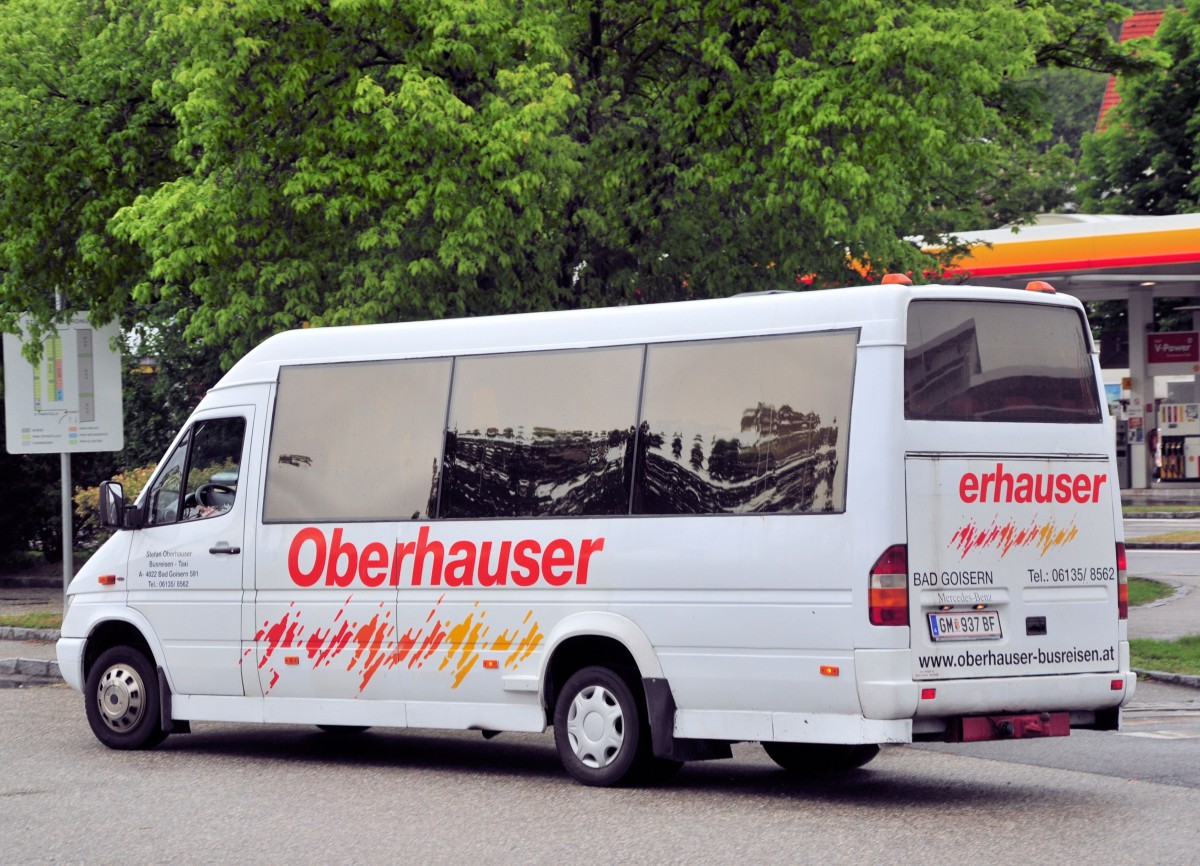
{"points": [[896, 279], [1040, 286]]}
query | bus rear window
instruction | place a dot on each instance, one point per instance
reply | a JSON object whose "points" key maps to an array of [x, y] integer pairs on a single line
{"points": [[998, 361]]}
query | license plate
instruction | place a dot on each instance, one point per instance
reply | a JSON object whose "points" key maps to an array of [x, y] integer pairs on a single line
{"points": [[965, 625]]}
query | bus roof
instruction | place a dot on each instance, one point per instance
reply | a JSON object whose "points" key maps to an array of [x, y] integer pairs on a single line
{"points": [[877, 311]]}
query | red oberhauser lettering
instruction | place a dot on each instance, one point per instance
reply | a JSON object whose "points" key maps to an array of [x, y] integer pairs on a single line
{"points": [[427, 561], [558, 555], [526, 572], [425, 548], [586, 548], [498, 576], [460, 570], [372, 566], [1025, 487], [336, 551], [1063, 488], [306, 578]]}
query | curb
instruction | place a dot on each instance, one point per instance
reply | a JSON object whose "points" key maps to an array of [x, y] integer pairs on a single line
{"points": [[1164, 515], [1162, 545], [22, 673], [1173, 679], [43, 635]]}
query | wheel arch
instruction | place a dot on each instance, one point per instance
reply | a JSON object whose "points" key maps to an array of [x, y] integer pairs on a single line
{"points": [[595, 638], [118, 632]]}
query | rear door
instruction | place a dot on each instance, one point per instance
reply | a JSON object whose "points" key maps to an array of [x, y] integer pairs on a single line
{"points": [[1013, 565]]}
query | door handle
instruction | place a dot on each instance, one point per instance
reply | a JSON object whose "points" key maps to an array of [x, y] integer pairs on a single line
{"points": [[223, 547]]}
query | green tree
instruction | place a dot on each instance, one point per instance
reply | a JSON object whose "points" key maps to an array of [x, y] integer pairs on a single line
{"points": [[1072, 102], [1145, 162], [80, 136], [257, 165]]}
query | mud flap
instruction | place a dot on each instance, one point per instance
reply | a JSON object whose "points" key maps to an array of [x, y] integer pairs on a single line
{"points": [[660, 710]]}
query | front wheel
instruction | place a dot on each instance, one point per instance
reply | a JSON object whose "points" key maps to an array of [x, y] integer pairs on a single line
{"points": [[122, 701], [818, 758], [601, 732]]}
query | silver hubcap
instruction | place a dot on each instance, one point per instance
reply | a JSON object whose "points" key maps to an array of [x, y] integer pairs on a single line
{"points": [[595, 727], [121, 697]]}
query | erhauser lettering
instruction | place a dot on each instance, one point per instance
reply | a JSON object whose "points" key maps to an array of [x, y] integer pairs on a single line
{"points": [[429, 562], [1038, 487]]}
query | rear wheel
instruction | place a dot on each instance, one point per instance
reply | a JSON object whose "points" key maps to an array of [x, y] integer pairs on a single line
{"points": [[601, 731], [816, 758], [122, 701]]}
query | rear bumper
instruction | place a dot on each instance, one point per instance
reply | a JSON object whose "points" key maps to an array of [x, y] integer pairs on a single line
{"points": [[886, 690]]}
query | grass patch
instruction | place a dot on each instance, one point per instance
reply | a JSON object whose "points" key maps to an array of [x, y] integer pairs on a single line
{"points": [[1180, 656], [1143, 590], [44, 619], [1182, 536], [1150, 509]]}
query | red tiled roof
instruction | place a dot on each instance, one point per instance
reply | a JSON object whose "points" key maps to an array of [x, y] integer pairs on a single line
{"points": [[1136, 26]]}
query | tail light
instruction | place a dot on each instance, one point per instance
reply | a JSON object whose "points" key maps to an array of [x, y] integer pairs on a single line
{"points": [[1122, 583], [887, 599]]}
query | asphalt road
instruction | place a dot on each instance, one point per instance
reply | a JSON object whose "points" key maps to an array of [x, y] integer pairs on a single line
{"points": [[237, 793]]}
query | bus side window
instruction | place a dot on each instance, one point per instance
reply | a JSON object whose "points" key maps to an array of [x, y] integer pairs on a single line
{"points": [[208, 456], [216, 452]]}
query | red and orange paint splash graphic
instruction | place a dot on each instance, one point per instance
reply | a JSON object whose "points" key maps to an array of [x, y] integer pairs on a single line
{"points": [[1008, 536], [372, 646]]}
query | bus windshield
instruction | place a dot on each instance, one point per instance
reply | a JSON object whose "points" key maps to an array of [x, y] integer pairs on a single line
{"points": [[996, 361]]}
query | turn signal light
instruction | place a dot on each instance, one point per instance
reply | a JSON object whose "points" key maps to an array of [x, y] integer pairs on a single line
{"points": [[830, 671], [107, 580]]}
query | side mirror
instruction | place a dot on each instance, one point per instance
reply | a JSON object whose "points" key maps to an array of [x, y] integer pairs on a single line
{"points": [[112, 505]]}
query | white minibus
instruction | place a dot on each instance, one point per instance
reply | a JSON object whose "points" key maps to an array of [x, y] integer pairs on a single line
{"points": [[822, 521]]}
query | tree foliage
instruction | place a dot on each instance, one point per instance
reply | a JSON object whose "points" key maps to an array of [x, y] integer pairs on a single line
{"points": [[80, 136], [1145, 162], [246, 166]]}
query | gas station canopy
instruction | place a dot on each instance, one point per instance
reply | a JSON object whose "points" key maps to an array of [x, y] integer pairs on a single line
{"points": [[1094, 258], [1112, 258]]}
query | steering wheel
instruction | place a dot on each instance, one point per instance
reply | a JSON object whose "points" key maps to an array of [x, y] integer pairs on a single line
{"points": [[204, 494]]}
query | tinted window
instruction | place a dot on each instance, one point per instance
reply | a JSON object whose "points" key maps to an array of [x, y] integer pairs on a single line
{"points": [[358, 441], [995, 361], [541, 433], [744, 426]]}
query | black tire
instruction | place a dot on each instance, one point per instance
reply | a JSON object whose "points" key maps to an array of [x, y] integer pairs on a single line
{"points": [[601, 731], [344, 730], [819, 758], [122, 700]]}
